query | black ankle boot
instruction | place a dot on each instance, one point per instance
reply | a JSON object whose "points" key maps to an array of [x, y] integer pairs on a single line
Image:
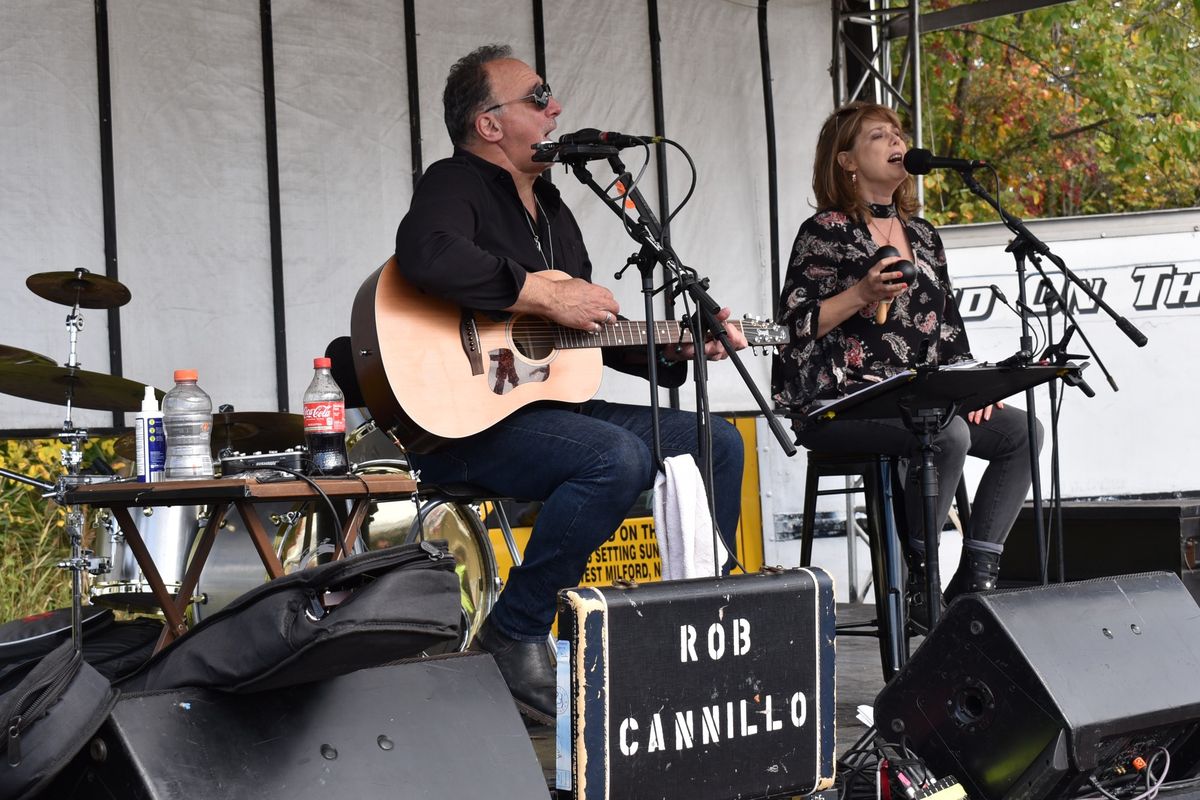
{"points": [[977, 572], [958, 580], [526, 667]]}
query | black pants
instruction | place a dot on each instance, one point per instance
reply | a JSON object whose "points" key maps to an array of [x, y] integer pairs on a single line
{"points": [[1003, 441]]}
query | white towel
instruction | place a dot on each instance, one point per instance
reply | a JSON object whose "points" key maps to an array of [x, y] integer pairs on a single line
{"points": [[682, 523]]}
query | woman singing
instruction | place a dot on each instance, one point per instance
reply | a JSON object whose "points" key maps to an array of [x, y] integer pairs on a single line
{"points": [[842, 341]]}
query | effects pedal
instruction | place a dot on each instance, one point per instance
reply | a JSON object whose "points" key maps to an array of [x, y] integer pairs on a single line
{"points": [[945, 789], [235, 463]]}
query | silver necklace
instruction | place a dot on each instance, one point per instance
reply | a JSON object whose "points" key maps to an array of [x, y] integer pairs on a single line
{"points": [[891, 228], [537, 241]]}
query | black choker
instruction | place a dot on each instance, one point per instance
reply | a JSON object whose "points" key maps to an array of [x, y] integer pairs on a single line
{"points": [[882, 211]]}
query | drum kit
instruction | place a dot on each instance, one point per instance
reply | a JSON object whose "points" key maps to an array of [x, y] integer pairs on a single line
{"points": [[233, 566]]}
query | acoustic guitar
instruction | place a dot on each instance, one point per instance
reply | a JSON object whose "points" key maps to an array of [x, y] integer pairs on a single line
{"points": [[430, 370]]}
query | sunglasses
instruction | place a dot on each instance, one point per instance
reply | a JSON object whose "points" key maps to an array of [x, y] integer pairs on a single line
{"points": [[540, 98]]}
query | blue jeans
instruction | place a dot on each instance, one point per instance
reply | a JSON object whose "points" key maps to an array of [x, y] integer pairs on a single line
{"points": [[588, 465]]}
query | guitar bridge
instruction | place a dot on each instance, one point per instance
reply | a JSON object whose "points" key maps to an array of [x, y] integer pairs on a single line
{"points": [[468, 333]]}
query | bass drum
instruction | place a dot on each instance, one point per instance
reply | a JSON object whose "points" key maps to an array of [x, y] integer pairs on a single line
{"points": [[233, 566], [397, 521], [302, 539]]}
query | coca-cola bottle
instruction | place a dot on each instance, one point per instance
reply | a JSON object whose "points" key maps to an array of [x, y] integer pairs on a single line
{"points": [[325, 422]]}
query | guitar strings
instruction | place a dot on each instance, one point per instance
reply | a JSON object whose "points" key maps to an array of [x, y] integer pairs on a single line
{"points": [[542, 333]]}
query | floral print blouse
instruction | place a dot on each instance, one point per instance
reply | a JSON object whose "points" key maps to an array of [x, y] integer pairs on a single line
{"points": [[832, 252]]}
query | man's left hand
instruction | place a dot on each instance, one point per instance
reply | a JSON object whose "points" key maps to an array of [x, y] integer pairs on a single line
{"points": [[713, 350]]}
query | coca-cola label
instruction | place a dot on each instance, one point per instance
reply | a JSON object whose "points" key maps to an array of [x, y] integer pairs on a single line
{"points": [[325, 417]]}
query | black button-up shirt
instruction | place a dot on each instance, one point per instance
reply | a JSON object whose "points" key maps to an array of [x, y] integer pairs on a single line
{"points": [[468, 239]]}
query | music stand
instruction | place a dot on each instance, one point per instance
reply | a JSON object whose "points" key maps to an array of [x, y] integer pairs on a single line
{"points": [[926, 399]]}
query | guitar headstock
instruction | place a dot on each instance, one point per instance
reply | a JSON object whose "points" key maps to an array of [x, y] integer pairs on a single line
{"points": [[760, 332]]}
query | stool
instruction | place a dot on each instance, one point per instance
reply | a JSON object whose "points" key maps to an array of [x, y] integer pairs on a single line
{"points": [[877, 473], [469, 493]]}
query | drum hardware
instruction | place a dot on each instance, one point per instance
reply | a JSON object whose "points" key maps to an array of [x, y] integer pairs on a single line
{"points": [[36, 377], [289, 518]]}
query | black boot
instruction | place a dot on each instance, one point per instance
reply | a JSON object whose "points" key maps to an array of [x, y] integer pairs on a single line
{"points": [[959, 579], [526, 667], [977, 572]]}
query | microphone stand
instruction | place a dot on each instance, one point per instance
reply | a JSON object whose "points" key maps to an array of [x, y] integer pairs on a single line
{"points": [[1026, 245], [1056, 353], [1055, 537], [647, 231]]}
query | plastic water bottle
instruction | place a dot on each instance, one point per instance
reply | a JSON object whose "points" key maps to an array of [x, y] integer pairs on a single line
{"points": [[187, 416], [325, 422], [151, 441]]}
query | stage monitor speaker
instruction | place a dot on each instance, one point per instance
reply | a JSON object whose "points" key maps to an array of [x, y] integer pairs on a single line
{"points": [[1111, 537], [437, 728], [1031, 693]]}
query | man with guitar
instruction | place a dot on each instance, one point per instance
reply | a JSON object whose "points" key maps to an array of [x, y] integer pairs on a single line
{"points": [[484, 231]]}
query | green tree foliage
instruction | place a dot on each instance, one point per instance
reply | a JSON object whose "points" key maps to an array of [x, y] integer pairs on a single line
{"points": [[1088, 107]]}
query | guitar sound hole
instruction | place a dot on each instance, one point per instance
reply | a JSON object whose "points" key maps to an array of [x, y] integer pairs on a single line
{"points": [[532, 338]]}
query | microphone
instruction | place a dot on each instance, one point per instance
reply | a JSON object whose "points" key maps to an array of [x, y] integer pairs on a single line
{"points": [[1004, 301], [610, 138], [920, 161], [588, 144]]}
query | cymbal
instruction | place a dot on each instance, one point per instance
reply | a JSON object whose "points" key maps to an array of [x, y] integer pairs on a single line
{"points": [[51, 384], [86, 288], [249, 431], [245, 431], [16, 355]]}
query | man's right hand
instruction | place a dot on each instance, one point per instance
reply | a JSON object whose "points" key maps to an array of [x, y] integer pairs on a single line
{"points": [[574, 302]]}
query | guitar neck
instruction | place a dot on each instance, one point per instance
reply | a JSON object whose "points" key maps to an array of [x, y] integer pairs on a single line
{"points": [[622, 333]]}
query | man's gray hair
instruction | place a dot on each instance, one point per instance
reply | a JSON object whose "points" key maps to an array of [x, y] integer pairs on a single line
{"points": [[468, 90]]}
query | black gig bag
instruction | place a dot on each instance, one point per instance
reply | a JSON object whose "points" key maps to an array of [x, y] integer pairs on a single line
{"points": [[48, 716], [361, 611], [115, 648]]}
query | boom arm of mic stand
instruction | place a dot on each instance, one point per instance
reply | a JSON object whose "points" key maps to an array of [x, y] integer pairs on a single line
{"points": [[707, 308], [579, 167], [648, 238], [1038, 246]]}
